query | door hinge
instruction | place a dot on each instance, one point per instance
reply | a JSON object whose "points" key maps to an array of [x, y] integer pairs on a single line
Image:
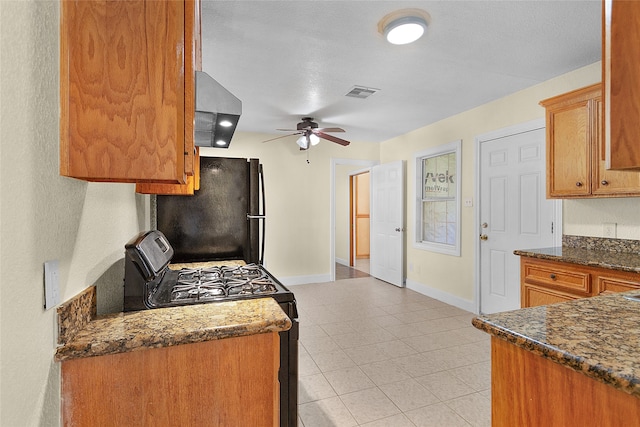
{"points": [[551, 227]]}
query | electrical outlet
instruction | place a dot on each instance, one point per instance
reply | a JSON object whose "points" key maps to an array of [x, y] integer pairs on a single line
{"points": [[609, 229], [51, 284], [468, 202]]}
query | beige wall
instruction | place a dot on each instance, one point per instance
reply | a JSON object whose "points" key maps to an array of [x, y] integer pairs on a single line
{"points": [[585, 217], [298, 200], [44, 217], [454, 276]]}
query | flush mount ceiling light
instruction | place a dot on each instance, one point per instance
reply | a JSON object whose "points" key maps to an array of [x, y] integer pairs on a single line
{"points": [[404, 26]]}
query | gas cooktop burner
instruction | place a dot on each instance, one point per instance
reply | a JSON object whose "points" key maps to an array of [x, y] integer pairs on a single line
{"points": [[217, 283]]}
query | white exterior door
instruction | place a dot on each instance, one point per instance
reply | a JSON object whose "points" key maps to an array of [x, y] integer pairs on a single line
{"points": [[387, 222], [514, 213]]}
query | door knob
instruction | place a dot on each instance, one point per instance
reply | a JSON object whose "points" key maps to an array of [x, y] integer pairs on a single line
{"points": [[483, 237]]}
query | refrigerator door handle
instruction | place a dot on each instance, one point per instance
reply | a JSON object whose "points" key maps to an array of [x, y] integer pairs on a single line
{"points": [[264, 212]]}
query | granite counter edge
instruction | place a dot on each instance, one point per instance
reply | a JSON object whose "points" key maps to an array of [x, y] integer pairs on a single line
{"points": [[557, 355], [164, 327], [78, 350], [577, 261]]}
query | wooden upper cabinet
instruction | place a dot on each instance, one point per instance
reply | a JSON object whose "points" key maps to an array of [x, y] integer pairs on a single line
{"points": [[576, 152], [606, 182], [193, 63], [621, 77], [569, 136], [127, 85]]}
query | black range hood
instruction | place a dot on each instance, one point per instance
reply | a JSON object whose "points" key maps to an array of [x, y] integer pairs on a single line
{"points": [[217, 113]]}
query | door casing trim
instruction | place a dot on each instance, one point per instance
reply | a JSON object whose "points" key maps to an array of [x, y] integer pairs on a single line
{"points": [[332, 206]]}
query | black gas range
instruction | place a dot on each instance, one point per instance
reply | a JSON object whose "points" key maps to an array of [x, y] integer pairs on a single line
{"points": [[151, 282]]}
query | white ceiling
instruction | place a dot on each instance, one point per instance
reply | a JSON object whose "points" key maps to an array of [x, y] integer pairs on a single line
{"points": [[288, 59]]}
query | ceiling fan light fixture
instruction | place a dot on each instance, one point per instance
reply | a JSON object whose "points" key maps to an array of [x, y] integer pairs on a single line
{"points": [[313, 138], [302, 142], [404, 26]]}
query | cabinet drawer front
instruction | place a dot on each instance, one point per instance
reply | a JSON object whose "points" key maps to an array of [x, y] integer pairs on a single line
{"points": [[608, 285], [573, 281], [534, 296]]}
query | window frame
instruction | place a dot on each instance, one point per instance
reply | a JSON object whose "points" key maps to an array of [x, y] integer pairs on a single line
{"points": [[419, 157]]}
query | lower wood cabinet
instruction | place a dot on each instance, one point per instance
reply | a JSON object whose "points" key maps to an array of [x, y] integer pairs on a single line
{"points": [[547, 282], [528, 390], [228, 382]]}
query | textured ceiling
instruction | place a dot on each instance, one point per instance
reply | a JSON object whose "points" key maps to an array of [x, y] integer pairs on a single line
{"points": [[288, 59]]}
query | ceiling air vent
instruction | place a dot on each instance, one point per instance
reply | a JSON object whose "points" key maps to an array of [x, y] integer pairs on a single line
{"points": [[361, 92]]}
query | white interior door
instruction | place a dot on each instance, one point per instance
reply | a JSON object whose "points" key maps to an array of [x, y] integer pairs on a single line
{"points": [[387, 222], [514, 213]]}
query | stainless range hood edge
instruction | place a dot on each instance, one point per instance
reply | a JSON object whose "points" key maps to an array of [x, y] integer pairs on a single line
{"points": [[214, 106]]}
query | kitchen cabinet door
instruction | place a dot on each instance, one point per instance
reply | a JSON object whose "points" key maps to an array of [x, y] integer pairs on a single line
{"points": [[621, 77], [608, 282], [126, 115], [609, 182], [193, 63], [221, 383], [533, 296], [576, 152], [568, 121]]}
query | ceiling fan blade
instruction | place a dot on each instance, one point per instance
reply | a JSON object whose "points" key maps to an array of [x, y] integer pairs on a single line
{"points": [[329, 129], [332, 138], [288, 130], [283, 136]]}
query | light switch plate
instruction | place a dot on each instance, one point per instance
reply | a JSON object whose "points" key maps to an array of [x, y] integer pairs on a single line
{"points": [[51, 284], [468, 202]]}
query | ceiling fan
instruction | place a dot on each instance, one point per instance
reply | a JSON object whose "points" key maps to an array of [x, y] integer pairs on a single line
{"points": [[311, 134]]}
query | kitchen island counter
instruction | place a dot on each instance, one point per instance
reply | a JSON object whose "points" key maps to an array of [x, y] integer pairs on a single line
{"points": [[599, 336], [83, 334], [568, 364]]}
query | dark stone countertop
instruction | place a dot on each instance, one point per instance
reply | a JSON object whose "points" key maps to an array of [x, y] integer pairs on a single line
{"points": [[624, 261], [83, 334], [598, 336]]}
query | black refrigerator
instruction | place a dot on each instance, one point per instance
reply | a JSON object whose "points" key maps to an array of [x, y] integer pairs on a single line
{"points": [[223, 220]]}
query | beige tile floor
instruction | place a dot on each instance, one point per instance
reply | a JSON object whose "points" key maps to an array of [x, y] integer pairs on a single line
{"points": [[372, 354]]}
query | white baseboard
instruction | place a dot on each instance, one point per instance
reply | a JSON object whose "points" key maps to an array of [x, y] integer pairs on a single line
{"points": [[442, 296], [302, 280], [343, 261]]}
